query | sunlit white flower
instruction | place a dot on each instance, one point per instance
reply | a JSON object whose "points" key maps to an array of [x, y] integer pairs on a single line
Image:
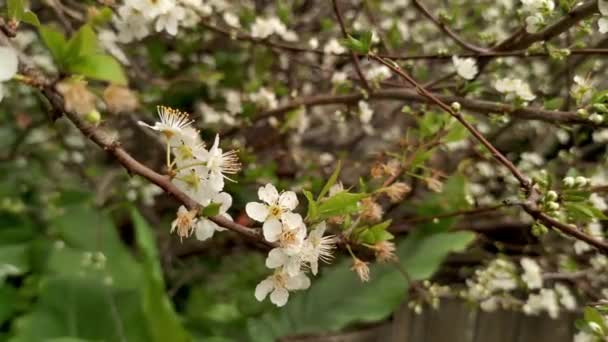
{"points": [[318, 247], [532, 273], [265, 27], [365, 112], [264, 98], [172, 122], [205, 228], [220, 164], [170, 20], [278, 285], [566, 298], [152, 8], [273, 208], [130, 24], [534, 23], [465, 67], [290, 232], [546, 300], [231, 19], [514, 87], [333, 47], [8, 66]]}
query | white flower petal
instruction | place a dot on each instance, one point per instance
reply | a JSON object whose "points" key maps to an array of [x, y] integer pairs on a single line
{"points": [[205, 229], [263, 289], [279, 297], [603, 25], [257, 211], [8, 63], [293, 266], [276, 258], [299, 282], [224, 199], [292, 220], [272, 230], [288, 200], [602, 5], [268, 194]]}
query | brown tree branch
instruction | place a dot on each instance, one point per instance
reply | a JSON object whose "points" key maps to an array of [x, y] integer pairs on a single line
{"points": [[113, 147], [530, 206], [477, 106], [456, 38], [353, 55]]}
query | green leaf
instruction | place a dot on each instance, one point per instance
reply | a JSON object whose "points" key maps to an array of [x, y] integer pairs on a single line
{"points": [[341, 203], [99, 67], [554, 103], [55, 42], [327, 307], [30, 18], [360, 46], [376, 233], [594, 316], [84, 308], [331, 181], [15, 8], [313, 210], [211, 210], [83, 43], [163, 322]]}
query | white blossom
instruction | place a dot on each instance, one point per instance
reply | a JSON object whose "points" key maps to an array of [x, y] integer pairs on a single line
{"points": [[465, 67], [278, 286], [8, 66], [532, 273], [274, 205]]}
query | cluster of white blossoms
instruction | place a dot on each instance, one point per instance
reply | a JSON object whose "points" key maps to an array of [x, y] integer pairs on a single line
{"points": [[265, 27], [492, 287], [196, 170], [602, 24], [136, 19], [514, 88], [296, 249], [8, 66], [537, 12], [465, 67]]}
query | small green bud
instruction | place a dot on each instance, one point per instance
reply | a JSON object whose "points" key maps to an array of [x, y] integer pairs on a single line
{"points": [[93, 117]]}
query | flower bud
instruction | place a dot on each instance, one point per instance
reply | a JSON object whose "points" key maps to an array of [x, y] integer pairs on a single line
{"points": [[596, 118], [583, 113], [397, 191], [360, 267], [553, 206], [581, 181], [569, 182], [551, 195], [456, 106], [93, 117]]}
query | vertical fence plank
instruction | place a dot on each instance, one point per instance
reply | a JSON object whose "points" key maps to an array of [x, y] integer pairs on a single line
{"points": [[498, 326], [543, 328], [454, 322]]}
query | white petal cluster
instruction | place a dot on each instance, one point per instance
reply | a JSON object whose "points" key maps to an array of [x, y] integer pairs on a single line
{"points": [[263, 28], [196, 170], [137, 19], [297, 249], [538, 11], [602, 24], [514, 88], [8, 66], [465, 67], [532, 273]]}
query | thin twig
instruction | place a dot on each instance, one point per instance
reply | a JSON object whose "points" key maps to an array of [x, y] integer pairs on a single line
{"points": [[353, 55]]}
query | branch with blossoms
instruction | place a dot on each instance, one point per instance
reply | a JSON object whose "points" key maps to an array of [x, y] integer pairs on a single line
{"points": [[353, 75]]}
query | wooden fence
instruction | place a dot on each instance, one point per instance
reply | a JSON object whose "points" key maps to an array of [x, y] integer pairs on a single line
{"points": [[457, 322]]}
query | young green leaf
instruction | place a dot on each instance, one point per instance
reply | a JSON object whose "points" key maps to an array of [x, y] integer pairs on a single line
{"points": [[313, 210], [331, 181], [55, 42], [340, 204], [99, 67], [211, 210]]}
